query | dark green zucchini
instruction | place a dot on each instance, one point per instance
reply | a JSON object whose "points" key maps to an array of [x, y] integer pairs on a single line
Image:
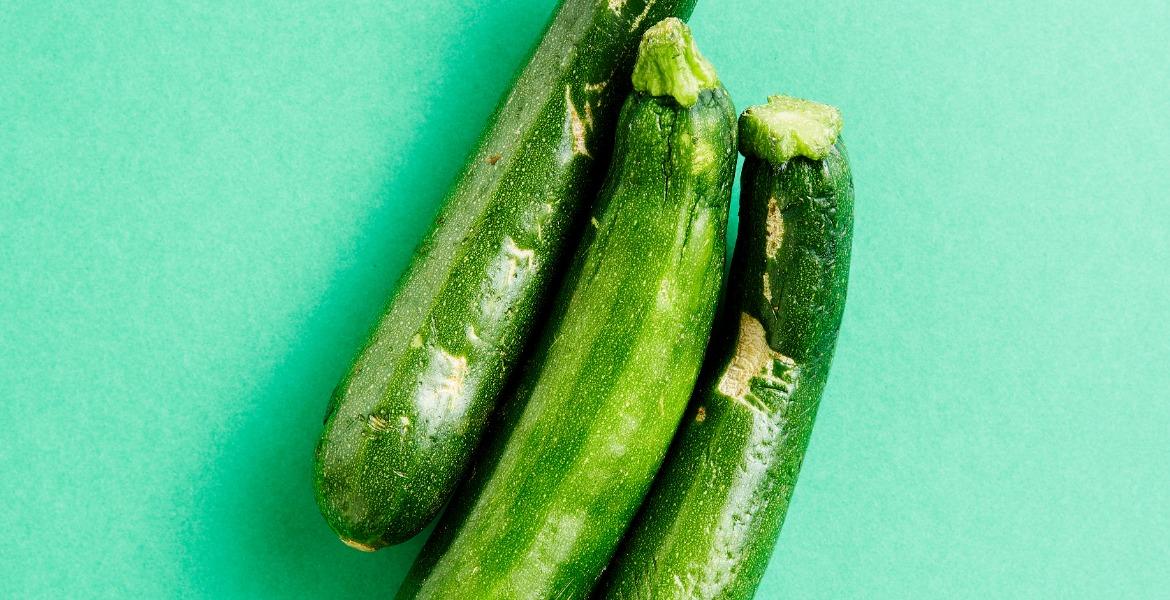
{"points": [[600, 401], [714, 513], [403, 422]]}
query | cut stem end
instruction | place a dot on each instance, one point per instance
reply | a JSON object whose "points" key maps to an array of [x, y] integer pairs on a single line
{"points": [[788, 127]]}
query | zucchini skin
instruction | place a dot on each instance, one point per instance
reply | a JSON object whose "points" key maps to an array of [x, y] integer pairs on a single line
{"points": [[403, 422], [577, 448], [714, 514]]}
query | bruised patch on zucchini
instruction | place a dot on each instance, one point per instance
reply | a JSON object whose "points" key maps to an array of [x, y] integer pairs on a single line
{"points": [[575, 128], [358, 545], [507, 275], [755, 362], [775, 227], [751, 354], [641, 16], [441, 388], [377, 424]]}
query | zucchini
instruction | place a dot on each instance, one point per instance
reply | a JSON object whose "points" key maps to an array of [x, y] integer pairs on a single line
{"points": [[403, 422], [712, 518], [601, 399]]}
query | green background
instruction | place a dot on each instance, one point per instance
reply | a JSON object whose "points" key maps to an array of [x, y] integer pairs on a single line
{"points": [[203, 206]]}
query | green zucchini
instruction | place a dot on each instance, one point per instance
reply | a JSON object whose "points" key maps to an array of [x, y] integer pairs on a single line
{"points": [[402, 424], [712, 518], [600, 401]]}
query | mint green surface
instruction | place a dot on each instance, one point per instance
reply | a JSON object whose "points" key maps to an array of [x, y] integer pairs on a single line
{"points": [[203, 206]]}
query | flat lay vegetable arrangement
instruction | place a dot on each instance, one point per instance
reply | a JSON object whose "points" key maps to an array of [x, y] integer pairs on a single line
{"points": [[594, 477]]}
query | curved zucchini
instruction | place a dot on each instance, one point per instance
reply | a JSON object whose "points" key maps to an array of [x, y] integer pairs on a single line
{"points": [[714, 513], [545, 508], [401, 425]]}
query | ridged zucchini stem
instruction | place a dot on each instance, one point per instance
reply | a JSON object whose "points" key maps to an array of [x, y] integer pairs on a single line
{"points": [[669, 64]]}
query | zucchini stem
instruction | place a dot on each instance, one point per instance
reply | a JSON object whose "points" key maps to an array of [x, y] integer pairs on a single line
{"points": [[788, 127], [669, 64]]}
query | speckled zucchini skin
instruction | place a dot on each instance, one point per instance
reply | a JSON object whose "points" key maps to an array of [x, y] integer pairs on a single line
{"points": [[578, 447], [403, 422], [715, 511]]}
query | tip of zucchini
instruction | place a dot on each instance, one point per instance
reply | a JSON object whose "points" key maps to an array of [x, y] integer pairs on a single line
{"points": [[669, 64], [358, 545], [788, 127]]}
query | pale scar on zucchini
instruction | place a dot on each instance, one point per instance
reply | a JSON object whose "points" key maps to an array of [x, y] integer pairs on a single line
{"points": [[754, 361]]}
